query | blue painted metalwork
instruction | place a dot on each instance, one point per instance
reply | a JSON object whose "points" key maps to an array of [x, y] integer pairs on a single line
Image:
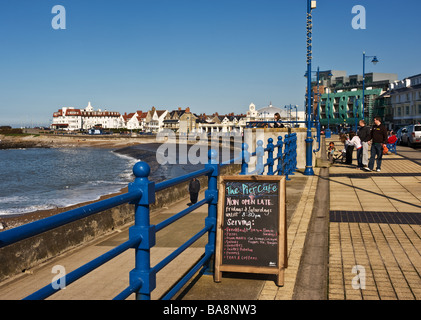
{"points": [[270, 161], [279, 157], [142, 234], [309, 140]]}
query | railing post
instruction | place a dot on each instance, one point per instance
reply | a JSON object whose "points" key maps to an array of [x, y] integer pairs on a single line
{"points": [[245, 158], [287, 143], [212, 191], [295, 151], [142, 273], [280, 156], [292, 156], [270, 161]]}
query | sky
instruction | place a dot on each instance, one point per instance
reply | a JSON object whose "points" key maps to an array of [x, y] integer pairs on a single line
{"points": [[209, 55]]}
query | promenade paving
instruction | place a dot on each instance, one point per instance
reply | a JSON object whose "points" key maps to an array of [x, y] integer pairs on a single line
{"points": [[373, 235], [375, 231]]}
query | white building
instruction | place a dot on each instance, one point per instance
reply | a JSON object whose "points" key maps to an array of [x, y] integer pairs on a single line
{"points": [[268, 114], [406, 100], [71, 119], [221, 123], [154, 120], [135, 120]]}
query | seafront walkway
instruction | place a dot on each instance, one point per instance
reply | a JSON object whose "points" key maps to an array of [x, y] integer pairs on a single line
{"points": [[375, 231], [352, 235]]}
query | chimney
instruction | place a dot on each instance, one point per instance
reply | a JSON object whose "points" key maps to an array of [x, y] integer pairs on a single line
{"points": [[187, 110]]}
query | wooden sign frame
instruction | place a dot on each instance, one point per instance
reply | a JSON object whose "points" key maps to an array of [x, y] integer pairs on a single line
{"points": [[282, 262]]}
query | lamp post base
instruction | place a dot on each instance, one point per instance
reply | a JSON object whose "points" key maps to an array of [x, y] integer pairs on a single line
{"points": [[309, 161], [309, 171]]}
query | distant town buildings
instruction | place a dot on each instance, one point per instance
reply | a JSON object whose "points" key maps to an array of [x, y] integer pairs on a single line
{"points": [[72, 119], [341, 97], [182, 121], [405, 101]]}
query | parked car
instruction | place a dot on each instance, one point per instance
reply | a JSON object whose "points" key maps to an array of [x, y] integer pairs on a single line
{"points": [[400, 133], [412, 136]]}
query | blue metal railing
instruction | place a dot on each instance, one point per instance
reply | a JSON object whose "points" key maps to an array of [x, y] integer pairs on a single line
{"points": [[286, 159], [142, 234]]}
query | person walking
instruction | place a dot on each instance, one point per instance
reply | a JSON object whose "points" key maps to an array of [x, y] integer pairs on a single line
{"points": [[194, 188], [354, 142], [378, 140], [365, 136]]}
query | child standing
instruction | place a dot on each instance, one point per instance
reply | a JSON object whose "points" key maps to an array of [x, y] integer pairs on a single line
{"points": [[330, 151]]}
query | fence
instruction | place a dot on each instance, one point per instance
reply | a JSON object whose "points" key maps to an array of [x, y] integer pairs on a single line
{"points": [[141, 193]]}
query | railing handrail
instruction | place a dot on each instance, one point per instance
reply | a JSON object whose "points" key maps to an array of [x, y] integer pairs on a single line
{"points": [[142, 235], [34, 228]]}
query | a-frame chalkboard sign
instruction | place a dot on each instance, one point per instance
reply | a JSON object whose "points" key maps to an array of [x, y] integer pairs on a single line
{"points": [[251, 226]]}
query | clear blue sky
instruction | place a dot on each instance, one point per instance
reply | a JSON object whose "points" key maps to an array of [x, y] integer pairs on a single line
{"points": [[209, 55]]}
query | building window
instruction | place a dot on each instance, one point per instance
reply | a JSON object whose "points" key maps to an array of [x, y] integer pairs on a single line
{"points": [[399, 112], [407, 110], [419, 109]]}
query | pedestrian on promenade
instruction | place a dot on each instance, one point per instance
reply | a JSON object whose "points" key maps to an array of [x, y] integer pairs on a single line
{"points": [[378, 140], [365, 136], [354, 142], [194, 188], [347, 147], [392, 138], [278, 123]]}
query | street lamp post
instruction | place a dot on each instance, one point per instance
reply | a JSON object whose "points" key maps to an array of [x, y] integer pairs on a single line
{"points": [[296, 115], [309, 141], [328, 132], [374, 61]]}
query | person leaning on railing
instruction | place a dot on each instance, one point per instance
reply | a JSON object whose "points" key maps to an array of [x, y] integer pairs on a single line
{"points": [[277, 123]]}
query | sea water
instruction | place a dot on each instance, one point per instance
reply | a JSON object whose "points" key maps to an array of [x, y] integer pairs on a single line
{"points": [[39, 179]]}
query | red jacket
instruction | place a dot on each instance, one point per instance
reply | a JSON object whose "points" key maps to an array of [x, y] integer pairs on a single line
{"points": [[392, 139]]}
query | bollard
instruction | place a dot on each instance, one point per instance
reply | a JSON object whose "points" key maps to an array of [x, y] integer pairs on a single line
{"points": [[142, 273], [328, 133]]}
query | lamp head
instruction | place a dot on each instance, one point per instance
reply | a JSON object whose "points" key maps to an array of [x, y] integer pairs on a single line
{"points": [[374, 61]]}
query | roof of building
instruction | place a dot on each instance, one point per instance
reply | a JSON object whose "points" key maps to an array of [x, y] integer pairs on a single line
{"points": [[269, 111]]}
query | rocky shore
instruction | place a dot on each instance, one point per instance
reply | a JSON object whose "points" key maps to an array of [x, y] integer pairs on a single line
{"points": [[10, 144]]}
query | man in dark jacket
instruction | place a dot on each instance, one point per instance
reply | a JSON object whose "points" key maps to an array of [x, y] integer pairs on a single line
{"points": [[194, 188], [378, 139], [365, 136]]}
